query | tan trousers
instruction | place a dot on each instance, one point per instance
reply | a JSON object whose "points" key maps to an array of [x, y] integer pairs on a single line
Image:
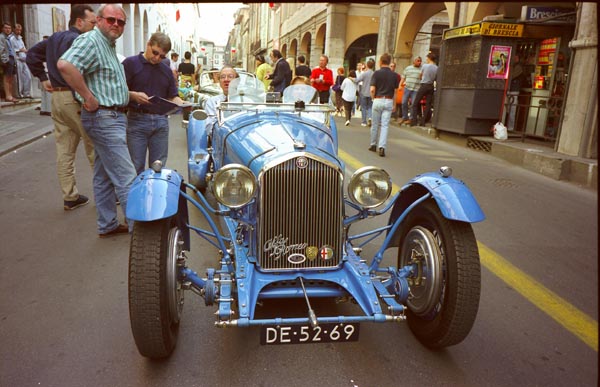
{"points": [[68, 131]]}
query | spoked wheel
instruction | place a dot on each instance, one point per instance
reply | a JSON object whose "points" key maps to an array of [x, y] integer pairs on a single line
{"points": [[155, 293], [445, 288]]}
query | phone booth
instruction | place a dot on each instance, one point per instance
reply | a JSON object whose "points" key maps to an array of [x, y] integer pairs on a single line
{"points": [[500, 71]]}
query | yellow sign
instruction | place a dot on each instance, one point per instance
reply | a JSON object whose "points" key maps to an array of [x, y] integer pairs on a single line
{"points": [[472, 29], [502, 29], [486, 29]]}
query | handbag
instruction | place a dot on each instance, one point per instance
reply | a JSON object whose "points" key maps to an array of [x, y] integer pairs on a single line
{"points": [[336, 87]]}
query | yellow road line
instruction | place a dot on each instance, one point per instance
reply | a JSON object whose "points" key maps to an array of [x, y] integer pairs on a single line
{"points": [[571, 318]]}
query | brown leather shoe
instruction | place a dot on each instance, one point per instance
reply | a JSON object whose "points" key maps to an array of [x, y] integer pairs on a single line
{"points": [[121, 229], [373, 148]]}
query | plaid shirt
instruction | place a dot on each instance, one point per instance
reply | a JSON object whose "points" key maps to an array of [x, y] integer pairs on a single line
{"points": [[412, 77], [96, 58]]}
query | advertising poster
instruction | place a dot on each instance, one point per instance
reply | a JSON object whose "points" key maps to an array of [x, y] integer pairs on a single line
{"points": [[59, 21], [499, 62]]}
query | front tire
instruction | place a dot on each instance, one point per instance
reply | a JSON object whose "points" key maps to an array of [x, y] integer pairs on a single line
{"points": [[155, 293], [444, 294]]}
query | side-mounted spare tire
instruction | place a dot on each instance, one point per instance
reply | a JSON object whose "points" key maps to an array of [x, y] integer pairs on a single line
{"points": [[155, 294], [445, 292]]}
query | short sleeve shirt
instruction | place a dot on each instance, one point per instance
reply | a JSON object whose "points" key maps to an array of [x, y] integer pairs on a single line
{"points": [[385, 82], [429, 73], [96, 58], [152, 79], [412, 77]]}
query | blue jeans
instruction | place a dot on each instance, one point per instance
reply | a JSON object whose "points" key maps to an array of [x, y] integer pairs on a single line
{"points": [[407, 94], [113, 169], [382, 113], [147, 132], [426, 90], [366, 105]]}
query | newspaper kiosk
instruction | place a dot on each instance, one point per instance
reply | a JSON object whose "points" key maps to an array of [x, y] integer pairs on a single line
{"points": [[501, 71]]}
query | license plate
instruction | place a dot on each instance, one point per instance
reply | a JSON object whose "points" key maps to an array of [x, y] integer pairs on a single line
{"points": [[304, 334]]}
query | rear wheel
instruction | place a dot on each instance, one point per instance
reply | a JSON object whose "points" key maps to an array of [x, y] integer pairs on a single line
{"points": [[155, 293], [444, 292]]}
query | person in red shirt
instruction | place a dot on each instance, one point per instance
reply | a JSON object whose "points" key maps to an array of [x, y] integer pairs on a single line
{"points": [[321, 79]]}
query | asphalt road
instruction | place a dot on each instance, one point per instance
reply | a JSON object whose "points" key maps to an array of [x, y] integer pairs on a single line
{"points": [[64, 314]]}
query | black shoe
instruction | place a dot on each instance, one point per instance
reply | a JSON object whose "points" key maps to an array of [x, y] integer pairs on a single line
{"points": [[121, 229], [382, 152], [45, 114], [73, 204], [373, 148]]}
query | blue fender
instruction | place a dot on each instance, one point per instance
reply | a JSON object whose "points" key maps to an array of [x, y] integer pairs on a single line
{"points": [[452, 196], [154, 195], [198, 156]]}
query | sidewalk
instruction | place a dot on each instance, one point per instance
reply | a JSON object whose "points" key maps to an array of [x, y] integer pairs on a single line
{"points": [[533, 156], [14, 132]]}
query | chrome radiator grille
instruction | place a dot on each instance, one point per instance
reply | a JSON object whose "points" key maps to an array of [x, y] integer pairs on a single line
{"points": [[301, 211]]}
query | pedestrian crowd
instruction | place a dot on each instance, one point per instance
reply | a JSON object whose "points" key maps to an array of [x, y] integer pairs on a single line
{"points": [[16, 78], [95, 98]]}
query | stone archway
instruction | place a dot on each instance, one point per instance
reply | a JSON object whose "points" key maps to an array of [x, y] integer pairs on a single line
{"points": [[293, 48], [146, 33], [360, 49], [318, 48], [137, 30], [412, 18], [305, 47]]}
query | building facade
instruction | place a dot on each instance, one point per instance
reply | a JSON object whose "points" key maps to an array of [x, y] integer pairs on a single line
{"points": [[565, 115]]}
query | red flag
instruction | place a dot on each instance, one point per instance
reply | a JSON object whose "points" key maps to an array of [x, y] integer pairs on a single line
{"points": [[177, 15]]}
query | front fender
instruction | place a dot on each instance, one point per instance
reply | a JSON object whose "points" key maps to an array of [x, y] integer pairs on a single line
{"points": [[154, 195], [452, 196]]}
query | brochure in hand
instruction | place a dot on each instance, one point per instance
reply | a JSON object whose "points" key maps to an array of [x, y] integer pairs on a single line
{"points": [[163, 106]]}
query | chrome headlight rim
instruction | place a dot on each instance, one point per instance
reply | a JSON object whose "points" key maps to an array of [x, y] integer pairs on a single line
{"points": [[224, 173], [356, 178]]}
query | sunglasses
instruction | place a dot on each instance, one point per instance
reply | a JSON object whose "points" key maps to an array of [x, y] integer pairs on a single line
{"points": [[155, 53], [112, 20]]}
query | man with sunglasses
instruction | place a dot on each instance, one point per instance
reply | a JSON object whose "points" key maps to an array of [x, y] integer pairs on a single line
{"points": [[65, 110], [226, 75], [91, 68], [147, 75]]}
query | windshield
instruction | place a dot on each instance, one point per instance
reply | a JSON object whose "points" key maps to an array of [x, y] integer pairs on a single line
{"points": [[297, 99]]}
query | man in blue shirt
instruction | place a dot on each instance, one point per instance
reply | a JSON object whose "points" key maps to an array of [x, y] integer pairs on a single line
{"points": [[147, 76], [428, 77], [66, 110]]}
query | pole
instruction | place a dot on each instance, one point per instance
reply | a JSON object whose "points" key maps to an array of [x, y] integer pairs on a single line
{"points": [[505, 89]]}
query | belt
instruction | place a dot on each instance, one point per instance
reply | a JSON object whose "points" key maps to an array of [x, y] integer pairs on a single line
{"points": [[383, 96], [60, 89], [122, 109], [142, 111]]}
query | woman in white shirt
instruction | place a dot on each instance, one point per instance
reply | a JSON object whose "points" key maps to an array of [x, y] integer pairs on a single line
{"points": [[349, 89]]}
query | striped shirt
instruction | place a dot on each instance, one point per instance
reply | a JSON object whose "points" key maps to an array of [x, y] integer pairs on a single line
{"points": [[96, 58], [412, 77]]}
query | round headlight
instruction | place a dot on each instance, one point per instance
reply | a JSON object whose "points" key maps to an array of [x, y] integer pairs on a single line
{"points": [[370, 187], [234, 185]]}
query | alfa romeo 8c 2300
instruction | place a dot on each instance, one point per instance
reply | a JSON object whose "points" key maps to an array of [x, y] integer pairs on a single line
{"points": [[272, 201]]}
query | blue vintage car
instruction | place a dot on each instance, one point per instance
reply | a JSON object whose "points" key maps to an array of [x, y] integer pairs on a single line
{"points": [[278, 209]]}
